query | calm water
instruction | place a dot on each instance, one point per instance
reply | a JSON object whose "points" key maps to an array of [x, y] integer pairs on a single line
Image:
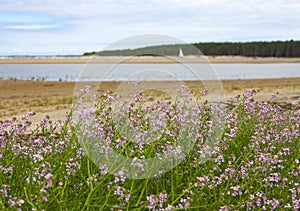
{"points": [[111, 72]]}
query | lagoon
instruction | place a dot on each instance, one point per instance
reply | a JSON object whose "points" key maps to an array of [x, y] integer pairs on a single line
{"points": [[124, 72]]}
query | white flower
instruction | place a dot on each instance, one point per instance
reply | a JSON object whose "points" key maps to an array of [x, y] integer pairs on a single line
{"points": [[287, 206]]}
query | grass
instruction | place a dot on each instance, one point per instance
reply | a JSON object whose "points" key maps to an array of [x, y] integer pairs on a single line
{"points": [[236, 88], [55, 166]]}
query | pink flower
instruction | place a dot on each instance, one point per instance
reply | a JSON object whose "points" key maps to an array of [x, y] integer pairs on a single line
{"points": [[48, 176]]}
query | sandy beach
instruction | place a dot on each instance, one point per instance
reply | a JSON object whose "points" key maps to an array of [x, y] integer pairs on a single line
{"points": [[55, 98], [145, 59]]}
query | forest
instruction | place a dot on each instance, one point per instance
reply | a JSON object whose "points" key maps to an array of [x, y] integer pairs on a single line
{"points": [[289, 48]]}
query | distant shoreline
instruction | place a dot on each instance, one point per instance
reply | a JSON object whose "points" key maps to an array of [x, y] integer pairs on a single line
{"points": [[146, 59]]}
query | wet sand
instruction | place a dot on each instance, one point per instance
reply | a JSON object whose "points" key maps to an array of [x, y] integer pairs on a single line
{"points": [[55, 98]]}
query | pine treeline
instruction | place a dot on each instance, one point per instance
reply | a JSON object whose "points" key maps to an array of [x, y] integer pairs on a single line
{"points": [[249, 49], [252, 49]]}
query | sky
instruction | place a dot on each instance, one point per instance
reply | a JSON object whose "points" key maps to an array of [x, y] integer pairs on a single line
{"points": [[67, 27]]}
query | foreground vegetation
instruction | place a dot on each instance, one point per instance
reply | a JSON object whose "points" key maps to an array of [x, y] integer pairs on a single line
{"points": [[250, 49], [255, 165]]}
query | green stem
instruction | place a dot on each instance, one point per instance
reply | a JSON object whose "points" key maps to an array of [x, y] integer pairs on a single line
{"points": [[27, 199]]}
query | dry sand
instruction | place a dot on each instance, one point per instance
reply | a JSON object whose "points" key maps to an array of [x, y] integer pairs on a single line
{"points": [[55, 98], [146, 59]]}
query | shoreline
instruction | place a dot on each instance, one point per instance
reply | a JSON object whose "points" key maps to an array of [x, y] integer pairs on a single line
{"points": [[146, 59], [55, 98]]}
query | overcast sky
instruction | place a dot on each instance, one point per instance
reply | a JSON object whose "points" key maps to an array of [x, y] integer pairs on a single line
{"points": [[75, 26]]}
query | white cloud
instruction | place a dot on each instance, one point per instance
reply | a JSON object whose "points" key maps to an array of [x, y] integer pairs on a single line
{"points": [[31, 27], [84, 23]]}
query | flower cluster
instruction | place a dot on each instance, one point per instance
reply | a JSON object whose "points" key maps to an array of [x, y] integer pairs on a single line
{"points": [[241, 156]]}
